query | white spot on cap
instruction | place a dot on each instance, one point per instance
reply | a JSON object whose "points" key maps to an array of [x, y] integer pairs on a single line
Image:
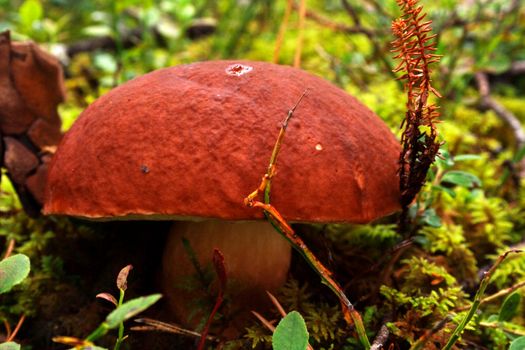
{"points": [[318, 147], [238, 69]]}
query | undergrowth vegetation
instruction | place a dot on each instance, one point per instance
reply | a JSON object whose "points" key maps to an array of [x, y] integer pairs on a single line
{"points": [[411, 286]]}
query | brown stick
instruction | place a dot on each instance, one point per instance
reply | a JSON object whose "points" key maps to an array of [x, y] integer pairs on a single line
{"points": [[351, 315], [336, 26], [497, 295], [381, 338], [300, 35], [17, 328], [10, 248], [517, 68], [154, 325], [487, 102], [282, 31]]}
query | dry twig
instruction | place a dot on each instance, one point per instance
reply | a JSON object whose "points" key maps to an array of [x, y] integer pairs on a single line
{"points": [[381, 338], [414, 47], [269, 324], [300, 36], [282, 31], [351, 315], [487, 102], [149, 324]]}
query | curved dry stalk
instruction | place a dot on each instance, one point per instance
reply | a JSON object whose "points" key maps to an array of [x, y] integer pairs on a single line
{"points": [[477, 299], [282, 31], [300, 36], [351, 315], [414, 47]]}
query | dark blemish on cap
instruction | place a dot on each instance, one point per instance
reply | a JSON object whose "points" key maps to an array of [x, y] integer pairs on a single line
{"points": [[144, 169], [238, 69]]}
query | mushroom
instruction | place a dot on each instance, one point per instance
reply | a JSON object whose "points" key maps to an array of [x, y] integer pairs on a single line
{"points": [[188, 143]]}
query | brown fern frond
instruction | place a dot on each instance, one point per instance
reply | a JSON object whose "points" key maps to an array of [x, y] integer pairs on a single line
{"points": [[414, 47]]}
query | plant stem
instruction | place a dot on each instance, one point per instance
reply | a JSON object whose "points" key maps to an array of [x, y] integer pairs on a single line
{"points": [[477, 300], [120, 338], [351, 315], [97, 333]]}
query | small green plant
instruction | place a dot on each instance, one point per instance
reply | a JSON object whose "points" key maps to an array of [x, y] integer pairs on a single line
{"points": [[13, 270], [414, 47], [123, 311], [9, 346], [477, 301], [517, 344], [291, 333]]}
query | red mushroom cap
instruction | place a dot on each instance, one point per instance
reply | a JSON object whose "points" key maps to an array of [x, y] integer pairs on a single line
{"points": [[194, 140]]}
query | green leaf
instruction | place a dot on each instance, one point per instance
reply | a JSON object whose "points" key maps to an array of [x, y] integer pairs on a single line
{"points": [[9, 346], [291, 333], [430, 218], [461, 178], [105, 62], [30, 12], [13, 270], [464, 157], [492, 319], [450, 191], [98, 30], [519, 155], [130, 309], [445, 160], [517, 344], [509, 307]]}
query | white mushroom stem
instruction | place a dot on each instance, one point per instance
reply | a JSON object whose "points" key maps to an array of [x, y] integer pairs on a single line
{"points": [[256, 257]]}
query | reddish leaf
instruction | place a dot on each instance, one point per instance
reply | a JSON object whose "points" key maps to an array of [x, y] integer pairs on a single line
{"points": [[122, 279], [220, 270], [108, 297]]}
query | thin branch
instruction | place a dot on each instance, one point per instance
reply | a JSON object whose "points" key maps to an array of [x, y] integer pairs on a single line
{"points": [[17, 328], [9, 249], [270, 326], [488, 102], [351, 315], [420, 343], [282, 31], [517, 67], [477, 299], [300, 35], [498, 325], [220, 270], [336, 26], [276, 303], [154, 325], [381, 338], [376, 45], [352, 12], [264, 321], [7, 327], [497, 295]]}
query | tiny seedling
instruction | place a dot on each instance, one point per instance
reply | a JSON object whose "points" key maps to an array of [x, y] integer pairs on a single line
{"points": [[123, 311], [290, 333], [456, 334], [13, 270]]}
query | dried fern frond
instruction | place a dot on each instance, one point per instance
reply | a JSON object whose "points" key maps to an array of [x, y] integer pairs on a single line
{"points": [[414, 47]]}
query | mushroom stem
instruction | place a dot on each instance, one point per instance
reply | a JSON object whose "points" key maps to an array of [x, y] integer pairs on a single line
{"points": [[256, 258]]}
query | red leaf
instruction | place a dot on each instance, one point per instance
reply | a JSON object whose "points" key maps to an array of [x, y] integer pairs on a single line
{"points": [[122, 278], [108, 297]]}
